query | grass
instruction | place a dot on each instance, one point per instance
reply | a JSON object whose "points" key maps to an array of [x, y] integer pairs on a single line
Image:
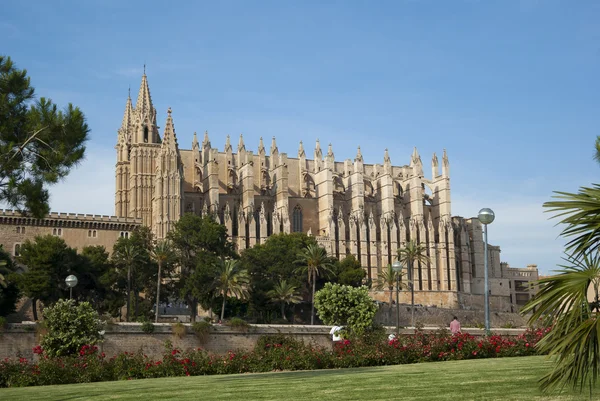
{"points": [[482, 379]]}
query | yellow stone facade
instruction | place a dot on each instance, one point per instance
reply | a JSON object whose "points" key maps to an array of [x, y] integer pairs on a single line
{"points": [[351, 207]]}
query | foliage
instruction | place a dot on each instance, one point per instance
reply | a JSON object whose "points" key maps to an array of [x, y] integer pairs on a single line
{"points": [[162, 253], [314, 262], [39, 144], [49, 261], [98, 281], [562, 300], [348, 271], [387, 279], [269, 263], [271, 353], [343, 305], [238, 324], [70, 326], [230, 279], [147, 327], [580, 213], [179, 329], [413, 253], [2, 323], [9, 291], [199, 242], [284, 293], [202, 330]]}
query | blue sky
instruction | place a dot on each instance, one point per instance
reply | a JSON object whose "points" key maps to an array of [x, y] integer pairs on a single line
{"points": [[509, 88]]}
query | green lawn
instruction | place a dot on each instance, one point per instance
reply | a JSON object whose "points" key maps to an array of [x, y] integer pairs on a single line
{"points": [[483, 379]]}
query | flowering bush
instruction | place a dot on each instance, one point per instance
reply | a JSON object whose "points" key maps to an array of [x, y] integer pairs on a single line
{"points": [[272, 353]]}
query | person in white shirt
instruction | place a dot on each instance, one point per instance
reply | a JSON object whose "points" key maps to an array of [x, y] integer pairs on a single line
{"points": [[336, 334]]}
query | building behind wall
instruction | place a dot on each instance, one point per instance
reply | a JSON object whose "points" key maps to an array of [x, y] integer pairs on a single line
{"points": [[351, 207]]}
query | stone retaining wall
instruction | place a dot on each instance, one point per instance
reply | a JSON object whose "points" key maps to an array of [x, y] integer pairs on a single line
{"points": [[19, 339]]}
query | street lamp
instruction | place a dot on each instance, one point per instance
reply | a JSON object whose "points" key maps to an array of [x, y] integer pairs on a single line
{"points": [[486, 216], [397, 268], [71, 281]]}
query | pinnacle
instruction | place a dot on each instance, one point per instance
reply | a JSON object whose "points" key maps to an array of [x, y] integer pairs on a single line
{"points": [[143, 105], [169, 137]]}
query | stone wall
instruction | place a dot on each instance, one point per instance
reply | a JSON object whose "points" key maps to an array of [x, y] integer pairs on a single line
{"points": [[437, 317], [19, 339]]}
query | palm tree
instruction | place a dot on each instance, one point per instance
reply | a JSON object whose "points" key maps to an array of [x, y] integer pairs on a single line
{"points": [[580, 213], [387, 279], [162, 253], [411, 253], [231, 279], [129, 256], [315, 262], [284, 293], [563, 300]]}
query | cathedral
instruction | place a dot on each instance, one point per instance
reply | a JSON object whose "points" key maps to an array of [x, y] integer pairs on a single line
{"points": [[350, 207]]}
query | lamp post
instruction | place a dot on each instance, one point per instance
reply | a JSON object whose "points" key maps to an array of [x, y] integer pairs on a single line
{"points": [[397, 268], [71, 281], [486, 216]]}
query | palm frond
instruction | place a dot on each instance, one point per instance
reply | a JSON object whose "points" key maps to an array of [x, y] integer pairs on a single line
{"points": [[562, 301], [580, 213]]}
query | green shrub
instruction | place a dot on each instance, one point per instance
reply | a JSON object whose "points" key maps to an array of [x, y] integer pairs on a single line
{"points": [[179, 329], [148, 327], [238, 324], [70, 327], [202, 329], [344, 305], [3, 323], [508, 325]]}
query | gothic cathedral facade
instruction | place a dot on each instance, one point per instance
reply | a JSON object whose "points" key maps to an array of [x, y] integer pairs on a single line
{"points": [[367, 210]]}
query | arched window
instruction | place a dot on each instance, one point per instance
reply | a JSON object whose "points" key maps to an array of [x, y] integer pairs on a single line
{"points": [[297, 219], [145, 134], [17, 250]]}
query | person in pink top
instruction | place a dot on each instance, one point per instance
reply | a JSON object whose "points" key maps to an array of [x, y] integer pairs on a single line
{"points": [[455, 326]]}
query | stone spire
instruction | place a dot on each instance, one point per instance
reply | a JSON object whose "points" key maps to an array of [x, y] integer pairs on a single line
{"points": [[261, 146], [205, 141], [227, 144], [330, 151], [434, 167], [127, 117], [273, 147], [169, 137], [386, 157], [301, 152], [358, 155], [241, 143], [143, 105], [445, 165], [318, 148], [195, 142], [416, 163]]}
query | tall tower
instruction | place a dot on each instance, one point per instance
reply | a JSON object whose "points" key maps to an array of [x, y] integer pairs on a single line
{"points": [[138, 143], [167, 202]]}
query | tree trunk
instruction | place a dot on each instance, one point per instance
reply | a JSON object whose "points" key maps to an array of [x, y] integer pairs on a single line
{"points": [[135, 302], [312, 304], [34, 309], [283, 311], [223, 307], [391, 293], [128, 292], [158, 291], [190, 301]]}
